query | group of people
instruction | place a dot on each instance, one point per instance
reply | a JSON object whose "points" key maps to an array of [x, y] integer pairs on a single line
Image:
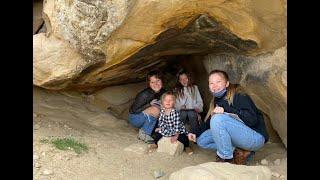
{"points": [[233, 127]]}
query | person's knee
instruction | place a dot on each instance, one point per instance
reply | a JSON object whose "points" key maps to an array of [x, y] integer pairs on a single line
{"points": [[152, 111], [193, 115], [201, 142], [135, 119], [183, 115], [217, 120]]}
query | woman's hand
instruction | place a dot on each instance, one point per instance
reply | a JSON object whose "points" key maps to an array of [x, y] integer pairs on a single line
{"points": [[155, 102], [192, 137], [157, 130], [218, 110], [174, 138]]}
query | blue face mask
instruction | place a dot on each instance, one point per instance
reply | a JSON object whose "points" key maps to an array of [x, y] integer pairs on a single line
{"points": [[220, 93]]}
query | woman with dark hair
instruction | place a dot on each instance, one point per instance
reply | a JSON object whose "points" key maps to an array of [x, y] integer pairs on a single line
{"points": [[188, 101], [145, 109]]}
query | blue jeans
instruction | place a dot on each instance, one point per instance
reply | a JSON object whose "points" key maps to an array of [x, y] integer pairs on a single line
{"points": [[226, 133], [143, 121]]}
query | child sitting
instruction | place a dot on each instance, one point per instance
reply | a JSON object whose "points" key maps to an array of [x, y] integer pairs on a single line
{"points": [[169, 124]]}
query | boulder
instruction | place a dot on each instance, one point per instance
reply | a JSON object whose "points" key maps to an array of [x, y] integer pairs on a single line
{"points": [[55, 63], [165, 146], [222, 171]]}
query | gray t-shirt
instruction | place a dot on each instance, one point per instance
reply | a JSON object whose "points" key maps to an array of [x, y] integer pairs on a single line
{"points": [[189, 100]]}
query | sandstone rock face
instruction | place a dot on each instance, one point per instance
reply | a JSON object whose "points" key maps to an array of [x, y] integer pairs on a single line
{"points": [[264, 77], [222, 171], [116, 99], [165, 146], [37, 16], [112, 103], [121, 40], [85, 24], [54, 62]]}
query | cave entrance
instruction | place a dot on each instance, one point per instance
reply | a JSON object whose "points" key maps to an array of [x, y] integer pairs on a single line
{"points": [[202, 36], [187, 48]]}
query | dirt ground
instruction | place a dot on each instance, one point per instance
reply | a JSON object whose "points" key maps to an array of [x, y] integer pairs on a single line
{"points": [[114, 150]]}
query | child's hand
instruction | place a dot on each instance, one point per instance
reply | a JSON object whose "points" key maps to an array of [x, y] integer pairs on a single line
{"points": [[218, 110], [174, 138], [157, 130], [183, 107], [192, 137]]}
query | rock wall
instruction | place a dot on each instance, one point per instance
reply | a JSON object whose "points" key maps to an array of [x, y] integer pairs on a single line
{"points": [[37, 16], [114, 37]]}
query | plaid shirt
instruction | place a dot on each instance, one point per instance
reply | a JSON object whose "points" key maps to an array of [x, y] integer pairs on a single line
{"points": [[170, 124]]}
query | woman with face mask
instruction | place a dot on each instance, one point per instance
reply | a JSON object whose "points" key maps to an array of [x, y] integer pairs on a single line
{"points": [[237, 128]]}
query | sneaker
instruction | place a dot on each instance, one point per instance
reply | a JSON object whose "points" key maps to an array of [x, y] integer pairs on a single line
{"points": [[241, 156], [218, 159], [152, 147], [189, 151], [148, 139], [141, 135]]}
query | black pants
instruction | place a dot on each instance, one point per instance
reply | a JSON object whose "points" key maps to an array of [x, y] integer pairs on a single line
{"points": [[191, 117], [181, 138]]}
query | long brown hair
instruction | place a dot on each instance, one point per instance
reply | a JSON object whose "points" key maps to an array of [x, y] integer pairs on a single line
{"points": [[231, 90], [179, 90]]}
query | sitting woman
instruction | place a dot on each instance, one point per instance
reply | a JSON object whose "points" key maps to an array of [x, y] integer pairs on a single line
{"points": [[145, 109], [188, 102], [237, 127]]}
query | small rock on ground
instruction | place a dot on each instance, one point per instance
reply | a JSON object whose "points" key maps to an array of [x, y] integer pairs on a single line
{"points": [[264, 162], [47, 172], [37, 165], [35, 157], [37, 126], [277, 162], [275, 174], [158, 173]]}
